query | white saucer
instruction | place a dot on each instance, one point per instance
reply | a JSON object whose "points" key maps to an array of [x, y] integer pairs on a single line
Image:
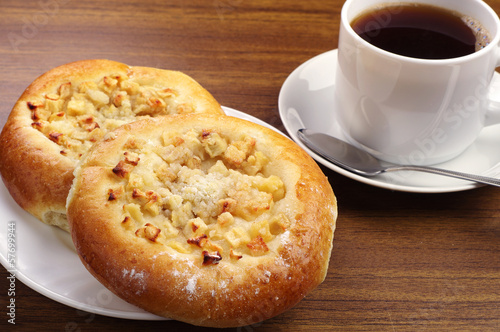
{"points": [[46, 260], [306, 101]]}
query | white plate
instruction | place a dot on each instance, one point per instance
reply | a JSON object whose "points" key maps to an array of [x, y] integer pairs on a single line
{"points": [[46, 260], [306, 101]]}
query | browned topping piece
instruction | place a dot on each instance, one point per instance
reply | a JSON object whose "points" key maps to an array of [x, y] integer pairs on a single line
{"points": [[211, 258], [108, 81], [137, 193], [149, 232], [118, 99], [37, 125], [198, 241], [235, 255], [209, 245], [52, 96], [145, 197], [122, 169], [65, 90], [156, 102], [126, 220], [39, 114], [89, 124], [92, 126], [227, 205], [131, 158], [178, 141], [258, 246], [113, 194], [34, 105], [205, 133], [56, 137], [169, 92]]}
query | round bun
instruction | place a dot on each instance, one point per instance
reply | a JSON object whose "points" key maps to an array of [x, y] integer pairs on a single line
{"points": [[63, 112], [214, 221]]}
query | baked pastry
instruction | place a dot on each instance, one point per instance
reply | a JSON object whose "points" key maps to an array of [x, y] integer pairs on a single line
{"points": [[63, 112], [212, 221]]}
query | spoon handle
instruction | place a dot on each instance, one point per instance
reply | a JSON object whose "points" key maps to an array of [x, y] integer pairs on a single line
{"points": [[454, 174]]}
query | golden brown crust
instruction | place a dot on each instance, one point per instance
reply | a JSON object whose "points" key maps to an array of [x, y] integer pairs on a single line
{"points": [[37, 166], [243, 286]]}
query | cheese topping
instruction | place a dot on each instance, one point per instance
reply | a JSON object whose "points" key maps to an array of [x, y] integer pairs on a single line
{"points": [[200, 193], [77, 116]]}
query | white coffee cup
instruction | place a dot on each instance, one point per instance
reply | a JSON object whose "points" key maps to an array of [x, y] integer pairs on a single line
{"points": [[414, 111]]}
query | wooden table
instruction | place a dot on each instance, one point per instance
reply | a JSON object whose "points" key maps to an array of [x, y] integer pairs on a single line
{"points": [[401, 261]]}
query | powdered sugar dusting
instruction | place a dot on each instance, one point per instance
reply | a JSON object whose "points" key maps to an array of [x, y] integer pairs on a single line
{"points": [[132, 274], [191, 286], [159, 254], [267, 275], [285, 237], [222, 284], [187, 281], [135, 277]]}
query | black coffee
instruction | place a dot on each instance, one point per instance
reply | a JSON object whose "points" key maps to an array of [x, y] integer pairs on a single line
{"points": [[421, 31]]}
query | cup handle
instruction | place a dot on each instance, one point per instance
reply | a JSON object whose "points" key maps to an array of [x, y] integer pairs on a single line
{"points": [[493, 104]]}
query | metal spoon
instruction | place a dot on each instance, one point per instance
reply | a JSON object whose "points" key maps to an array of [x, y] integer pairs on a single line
{"points": [[360, 162]]}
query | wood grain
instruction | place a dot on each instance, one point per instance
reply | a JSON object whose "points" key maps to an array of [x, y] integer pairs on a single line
{"points": [[401, 261]]}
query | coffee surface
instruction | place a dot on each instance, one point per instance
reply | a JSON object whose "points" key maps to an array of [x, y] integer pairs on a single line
{"points": [[421, 31]]}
